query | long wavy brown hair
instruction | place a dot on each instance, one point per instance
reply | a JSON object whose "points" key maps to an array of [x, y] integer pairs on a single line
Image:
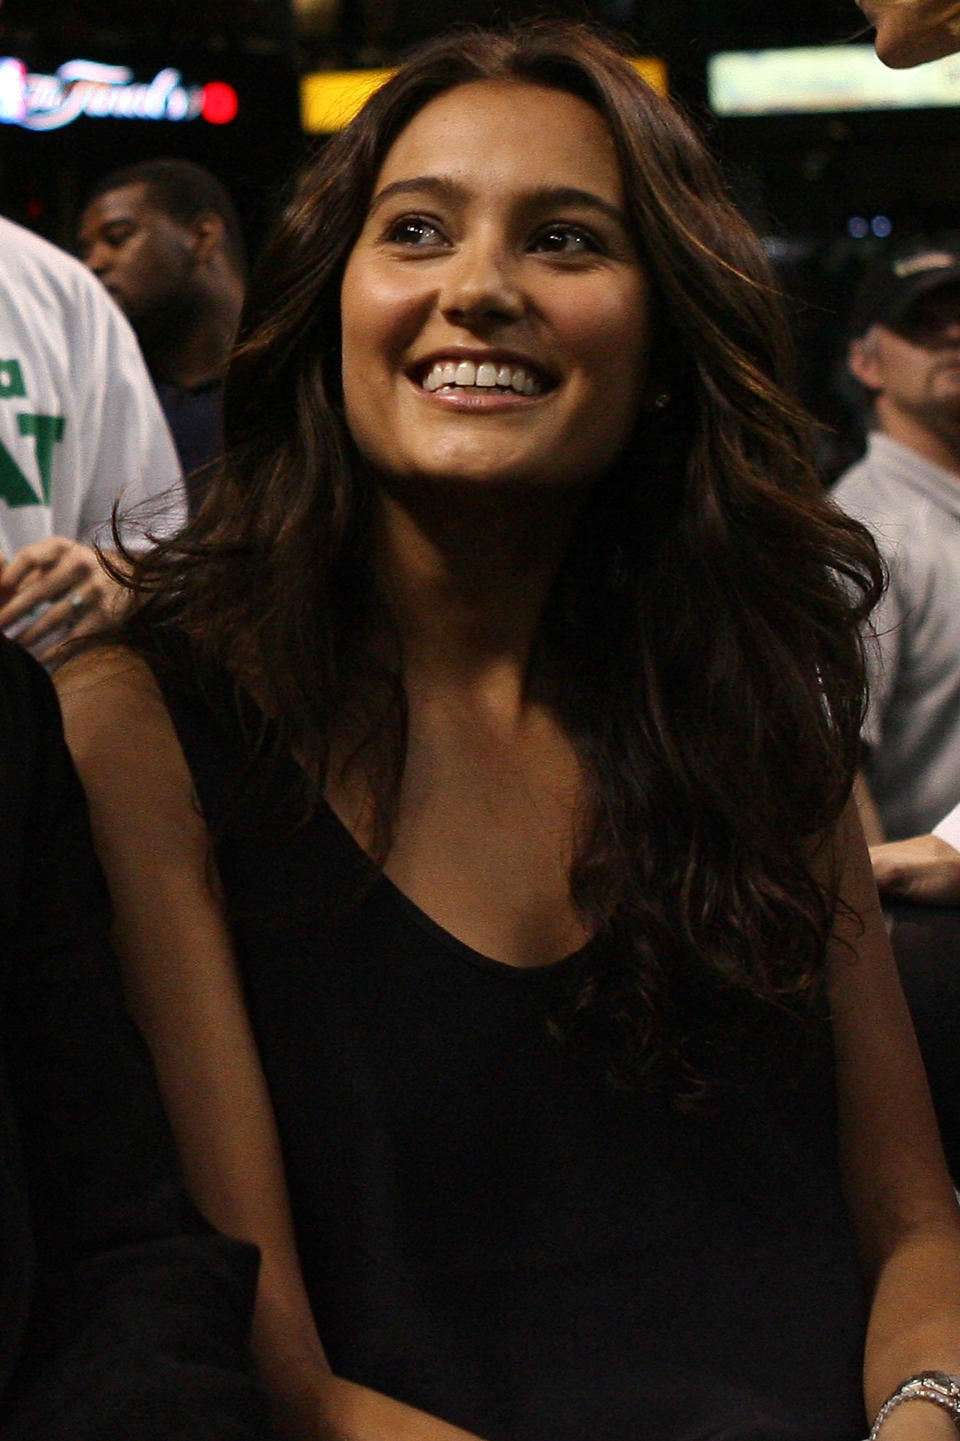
{"points": [[701, 643]]}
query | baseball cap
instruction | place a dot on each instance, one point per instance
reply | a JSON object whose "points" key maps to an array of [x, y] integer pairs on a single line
{"points": [[892, 287]]}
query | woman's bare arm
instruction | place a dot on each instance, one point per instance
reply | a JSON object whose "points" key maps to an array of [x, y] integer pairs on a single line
{"points": [[902, 1202], [173, 937]]}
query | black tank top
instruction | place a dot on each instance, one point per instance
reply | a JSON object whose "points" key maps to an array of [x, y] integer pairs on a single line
{"points": [[483, 1232]]}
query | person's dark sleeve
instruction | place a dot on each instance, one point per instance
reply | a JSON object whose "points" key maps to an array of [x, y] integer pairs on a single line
{"points": [[140, 1319], [926, 946]]}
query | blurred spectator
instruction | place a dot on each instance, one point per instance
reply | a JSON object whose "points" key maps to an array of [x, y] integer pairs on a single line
{"points": [[924, 868], [910, 32], [79, 426], [164, 238], [905, 352], [122, 1315]]}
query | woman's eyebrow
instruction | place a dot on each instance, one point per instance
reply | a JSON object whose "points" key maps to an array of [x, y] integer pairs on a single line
{"points": [[540, 197], [442, 188], [545, 196]]}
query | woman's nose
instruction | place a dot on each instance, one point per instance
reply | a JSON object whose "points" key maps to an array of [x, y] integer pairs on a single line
{"points": [[482, 284]]}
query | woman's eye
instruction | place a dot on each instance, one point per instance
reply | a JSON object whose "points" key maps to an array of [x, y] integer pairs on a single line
{"points": [[414, 230], [566, 240]]}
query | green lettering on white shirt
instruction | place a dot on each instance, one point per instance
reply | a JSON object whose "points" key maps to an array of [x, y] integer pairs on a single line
{"points": [[11, 380], [45, 430]]}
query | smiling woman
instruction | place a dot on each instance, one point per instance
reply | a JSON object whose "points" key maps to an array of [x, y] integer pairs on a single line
{"points": [[517, 984], [522, 257]]}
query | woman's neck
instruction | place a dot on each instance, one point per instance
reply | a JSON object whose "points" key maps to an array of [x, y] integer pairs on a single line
{"points": [[467, 576]]}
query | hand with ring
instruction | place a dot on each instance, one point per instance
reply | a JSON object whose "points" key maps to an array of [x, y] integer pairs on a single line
{"points": [[78, 606], [54, 589]]}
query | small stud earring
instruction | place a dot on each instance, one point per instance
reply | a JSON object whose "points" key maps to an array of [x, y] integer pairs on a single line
{"points": [[661, 401]]}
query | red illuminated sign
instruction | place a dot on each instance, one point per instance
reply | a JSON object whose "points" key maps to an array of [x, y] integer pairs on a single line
{"points": [[87, 87]]}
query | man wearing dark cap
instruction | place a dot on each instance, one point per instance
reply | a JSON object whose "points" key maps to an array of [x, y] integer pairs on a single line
{"points": [[905, 352]]}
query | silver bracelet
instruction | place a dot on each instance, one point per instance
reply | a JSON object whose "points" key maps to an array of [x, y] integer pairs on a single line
{"points": [[936, 1386]]}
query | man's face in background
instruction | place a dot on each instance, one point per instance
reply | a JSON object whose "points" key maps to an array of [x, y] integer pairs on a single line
{"points": [[145, 259]]}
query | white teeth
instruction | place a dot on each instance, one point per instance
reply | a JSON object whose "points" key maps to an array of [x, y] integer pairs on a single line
{"points": [[485, 376]]}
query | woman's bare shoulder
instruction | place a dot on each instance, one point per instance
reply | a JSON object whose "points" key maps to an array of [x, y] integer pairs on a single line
{"points": [[103, 677], [118, 728]]}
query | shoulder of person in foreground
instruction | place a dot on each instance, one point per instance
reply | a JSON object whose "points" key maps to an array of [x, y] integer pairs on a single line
{"points": [[133, 1319], [902, 1203]]}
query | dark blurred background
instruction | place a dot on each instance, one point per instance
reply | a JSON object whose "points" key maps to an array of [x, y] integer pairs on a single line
{"points": [[828, 190]]}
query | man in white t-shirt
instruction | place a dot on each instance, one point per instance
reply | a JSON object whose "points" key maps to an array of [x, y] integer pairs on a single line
{"points": [[80, 429]]}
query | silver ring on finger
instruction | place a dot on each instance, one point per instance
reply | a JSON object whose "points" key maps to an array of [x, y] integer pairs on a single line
{"points": [[78, 606]]}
